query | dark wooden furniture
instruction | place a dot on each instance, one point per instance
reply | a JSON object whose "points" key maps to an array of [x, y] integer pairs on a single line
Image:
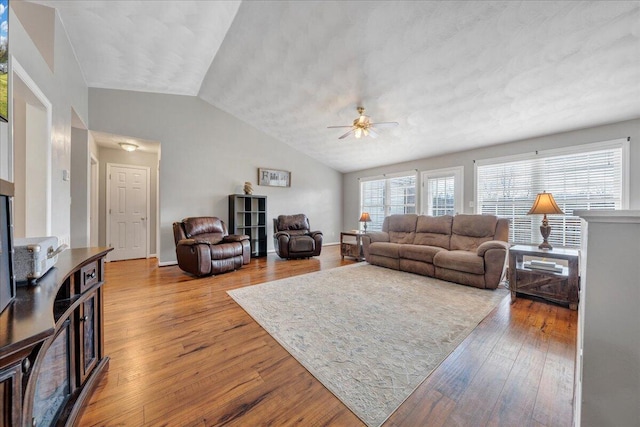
{"points": [[559, 287], [351, 245], [248, 215], [52, 343]]}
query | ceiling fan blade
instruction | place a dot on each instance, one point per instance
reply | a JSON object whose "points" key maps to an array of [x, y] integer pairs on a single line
{"points": [[334, 127], [383, 125], [373, 133], [345, 135]]}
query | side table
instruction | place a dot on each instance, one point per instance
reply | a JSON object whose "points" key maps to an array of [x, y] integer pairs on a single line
{"points": [[561, 287], [352, 245]]}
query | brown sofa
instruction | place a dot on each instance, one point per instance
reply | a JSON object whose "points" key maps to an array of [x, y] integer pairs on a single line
{"points": [[204, 246], [467, 249]]}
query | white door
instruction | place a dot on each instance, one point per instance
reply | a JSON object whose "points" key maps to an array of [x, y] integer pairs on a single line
{"points": [[127, 211]]}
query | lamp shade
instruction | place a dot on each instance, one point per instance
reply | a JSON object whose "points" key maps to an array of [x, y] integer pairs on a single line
{"points": [[545, 204], [365, 217]]}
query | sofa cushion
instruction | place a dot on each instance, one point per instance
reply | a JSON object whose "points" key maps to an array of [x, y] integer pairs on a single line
{"points": [[419, 252], [385, 249], [211, 238], [201, 225], [226, 250], [433, 231], [301, 244], [470, 231], [465, 261], [293, 222], [402, 228]]}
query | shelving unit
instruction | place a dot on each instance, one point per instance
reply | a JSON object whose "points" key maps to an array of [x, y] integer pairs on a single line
{"points": [[248, 215]]}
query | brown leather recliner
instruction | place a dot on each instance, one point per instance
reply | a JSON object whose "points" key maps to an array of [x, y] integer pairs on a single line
{"points": [[292, 238], [204, 246]]}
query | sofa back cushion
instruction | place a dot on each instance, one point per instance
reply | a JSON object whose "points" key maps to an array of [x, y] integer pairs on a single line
{"points": [[203, 224], [293, 222], [401, 228], [470, 231], [433, 231]]}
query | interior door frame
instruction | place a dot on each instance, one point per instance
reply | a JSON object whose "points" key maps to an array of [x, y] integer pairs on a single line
{"points": [[21, 73], [108, 202], [94, 200]]}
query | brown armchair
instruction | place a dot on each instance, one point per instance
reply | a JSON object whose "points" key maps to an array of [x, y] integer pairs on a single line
{"points": [[292, 238], [204, 246]]}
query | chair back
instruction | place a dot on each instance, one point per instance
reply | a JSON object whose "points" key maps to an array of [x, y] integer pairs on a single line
{"points": [[296, 224]]}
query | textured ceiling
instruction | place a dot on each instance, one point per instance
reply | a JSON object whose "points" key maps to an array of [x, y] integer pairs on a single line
{"points": [[455, 75]]}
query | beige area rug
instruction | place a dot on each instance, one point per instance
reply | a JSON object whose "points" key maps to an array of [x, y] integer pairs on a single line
{"points": [[371, 335]]}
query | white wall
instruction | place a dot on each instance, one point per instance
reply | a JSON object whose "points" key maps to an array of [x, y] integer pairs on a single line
{"points": [[63, 86], [630, 128], [207, 154], [80, 181]]}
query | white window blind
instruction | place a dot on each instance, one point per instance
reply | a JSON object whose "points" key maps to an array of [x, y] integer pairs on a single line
{"points": [[384, 196], [441, 195], [585, 178]]}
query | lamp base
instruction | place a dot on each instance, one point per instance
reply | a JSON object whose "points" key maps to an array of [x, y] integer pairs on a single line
{"points": [[545, 230]]}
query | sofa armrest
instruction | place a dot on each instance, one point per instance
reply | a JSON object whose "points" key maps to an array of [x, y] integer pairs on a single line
{"points": [[194, 256], [235, 238], [372, 237], [494, 253], [315, 233], [491, 244], [281, 233]]}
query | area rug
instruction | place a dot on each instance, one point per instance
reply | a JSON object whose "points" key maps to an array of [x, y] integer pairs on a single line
{"points": [[371, 335]]}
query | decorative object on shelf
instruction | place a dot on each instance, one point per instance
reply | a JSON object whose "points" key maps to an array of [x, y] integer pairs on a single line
{"points": [[248, 189], [274, 178], [545, 204], [365, 218], [127, 146]]}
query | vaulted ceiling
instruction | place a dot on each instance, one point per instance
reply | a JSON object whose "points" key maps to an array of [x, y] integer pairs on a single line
{"points": [[455, 75]]}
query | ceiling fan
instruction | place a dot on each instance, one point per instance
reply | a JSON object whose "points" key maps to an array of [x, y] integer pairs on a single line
{"points": [[363, 127]]}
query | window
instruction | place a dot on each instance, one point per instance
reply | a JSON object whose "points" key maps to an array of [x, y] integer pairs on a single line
{"points": [[442, 191], [387, 195], [588, 177]]}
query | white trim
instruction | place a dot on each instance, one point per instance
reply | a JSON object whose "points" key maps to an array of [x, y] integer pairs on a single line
{"points": [[389, 175], [18, 70], [458, 174], [552, 152], [94, 188], [108, 201], [167, 263]]}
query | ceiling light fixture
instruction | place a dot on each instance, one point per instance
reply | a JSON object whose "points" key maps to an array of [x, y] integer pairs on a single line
{"points": [[127, 146]]}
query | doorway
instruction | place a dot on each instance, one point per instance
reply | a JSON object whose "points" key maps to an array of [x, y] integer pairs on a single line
{"points": [[127, 211], [32, 117]]}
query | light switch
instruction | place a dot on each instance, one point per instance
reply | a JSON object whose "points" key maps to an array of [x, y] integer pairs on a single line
{"points": [[66, 175]]}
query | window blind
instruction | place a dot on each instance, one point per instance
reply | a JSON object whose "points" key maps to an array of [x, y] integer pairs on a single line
{"points": [[386, 196], [578, 180], [441, 195]]}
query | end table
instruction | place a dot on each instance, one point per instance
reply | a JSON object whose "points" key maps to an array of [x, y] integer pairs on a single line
{"points": [[352, 245], [561, 287]]}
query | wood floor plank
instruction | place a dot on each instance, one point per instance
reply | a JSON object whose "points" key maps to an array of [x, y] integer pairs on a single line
{"points": [[183, 353]]}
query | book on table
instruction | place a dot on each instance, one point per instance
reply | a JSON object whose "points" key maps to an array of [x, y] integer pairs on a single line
{"points": [[543, 265]]}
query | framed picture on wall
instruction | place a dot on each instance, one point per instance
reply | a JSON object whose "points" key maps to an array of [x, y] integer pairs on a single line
{"points": [[274, 177]]}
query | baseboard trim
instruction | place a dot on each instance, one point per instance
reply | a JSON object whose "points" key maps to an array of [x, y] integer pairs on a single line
{"points": [[167, 263]]}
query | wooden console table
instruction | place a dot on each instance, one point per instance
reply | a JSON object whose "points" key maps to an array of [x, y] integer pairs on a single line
{"points": [[559, 287], [52, 342], [349, 247]]}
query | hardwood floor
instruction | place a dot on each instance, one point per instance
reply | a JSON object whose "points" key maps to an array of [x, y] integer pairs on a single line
{"points": [[183, 353]]}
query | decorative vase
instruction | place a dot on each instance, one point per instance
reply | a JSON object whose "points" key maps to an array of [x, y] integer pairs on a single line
{"points": [[247, 188]]}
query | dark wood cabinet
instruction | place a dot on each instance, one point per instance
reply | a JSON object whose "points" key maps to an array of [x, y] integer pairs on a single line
{"points": [[51, 335], [248, 215]]}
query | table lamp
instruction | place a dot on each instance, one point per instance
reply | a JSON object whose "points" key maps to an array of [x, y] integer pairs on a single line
{"points": [[545, 204], [365, 218]]}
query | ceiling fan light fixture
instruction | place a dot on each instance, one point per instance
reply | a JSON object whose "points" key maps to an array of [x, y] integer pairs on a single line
{"points": [[358, 132]]}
